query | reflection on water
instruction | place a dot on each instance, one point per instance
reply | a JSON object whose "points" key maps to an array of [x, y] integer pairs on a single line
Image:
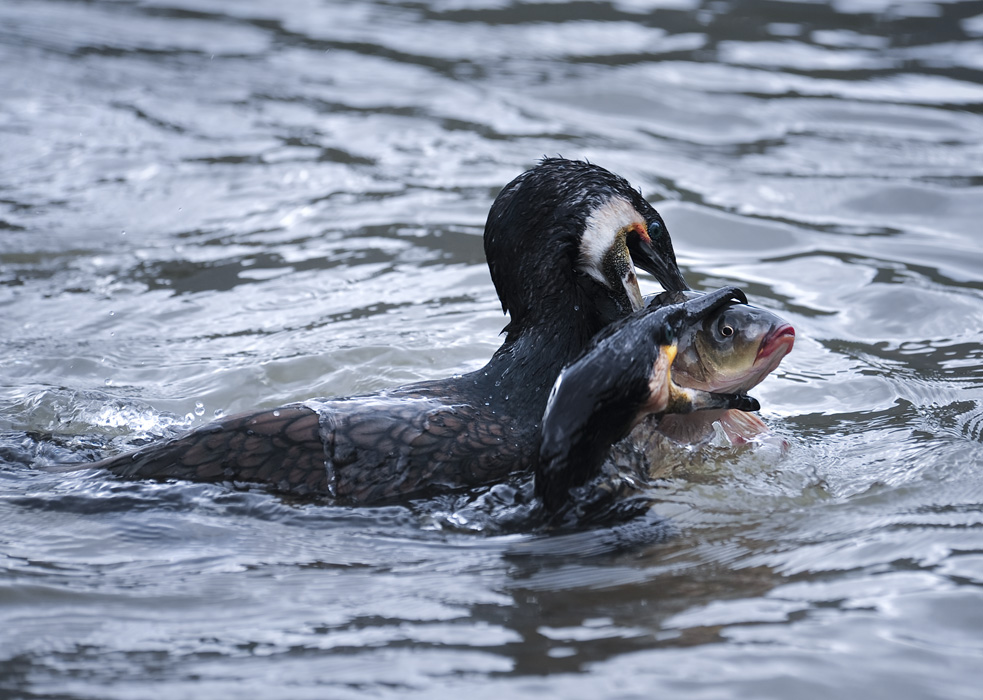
{"points": [[211, 206]]}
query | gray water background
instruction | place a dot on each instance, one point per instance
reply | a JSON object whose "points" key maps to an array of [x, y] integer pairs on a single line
{"points": [[209, 206]]}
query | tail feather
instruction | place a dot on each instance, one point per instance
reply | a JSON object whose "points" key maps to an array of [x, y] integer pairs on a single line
{"points": [[281, 448]]}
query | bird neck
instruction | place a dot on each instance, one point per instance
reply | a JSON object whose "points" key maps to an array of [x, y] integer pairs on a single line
{"points": [[522, 371]]}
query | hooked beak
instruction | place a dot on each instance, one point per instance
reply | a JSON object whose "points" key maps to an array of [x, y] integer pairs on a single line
{"points": [[663, 267], [700, 307], [684, 400]]}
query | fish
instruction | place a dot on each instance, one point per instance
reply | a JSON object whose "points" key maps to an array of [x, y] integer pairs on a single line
{"points": [[732, 351]]}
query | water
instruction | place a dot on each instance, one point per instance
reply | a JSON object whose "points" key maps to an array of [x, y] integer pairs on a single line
{"points": [[209, 206]]}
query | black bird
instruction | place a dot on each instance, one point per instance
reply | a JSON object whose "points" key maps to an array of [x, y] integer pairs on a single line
{"points": [[560, 240], [621, 377]]}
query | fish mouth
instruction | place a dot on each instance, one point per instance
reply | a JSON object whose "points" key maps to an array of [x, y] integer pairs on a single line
{"points": [[777, 344]]}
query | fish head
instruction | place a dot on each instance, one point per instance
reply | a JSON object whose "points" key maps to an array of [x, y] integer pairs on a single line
{"points": [[732, 350]]}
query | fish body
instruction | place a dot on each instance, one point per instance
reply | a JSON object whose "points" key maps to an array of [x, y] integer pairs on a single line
{"points": [[731, 351]]}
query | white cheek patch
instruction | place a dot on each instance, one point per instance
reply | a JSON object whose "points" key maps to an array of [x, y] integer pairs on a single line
{"points": [[604, 226]]}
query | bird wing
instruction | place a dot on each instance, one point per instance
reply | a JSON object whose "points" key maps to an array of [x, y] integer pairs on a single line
{"points": [[383, 450], [280, 447]]}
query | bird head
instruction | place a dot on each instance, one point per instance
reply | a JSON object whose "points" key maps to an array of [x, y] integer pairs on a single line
{"points": [[564, 238]]}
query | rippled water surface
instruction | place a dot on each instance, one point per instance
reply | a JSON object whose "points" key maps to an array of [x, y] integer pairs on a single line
{"points": [[207, 206]]}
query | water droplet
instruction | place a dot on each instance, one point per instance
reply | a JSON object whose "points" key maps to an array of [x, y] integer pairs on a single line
{"points": [[218, 413], [108, 382], [276, 413], [112, 313], [199, 408]]}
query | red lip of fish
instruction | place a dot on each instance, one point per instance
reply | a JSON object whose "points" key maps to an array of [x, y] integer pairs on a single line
{"points": [[782, 338]]}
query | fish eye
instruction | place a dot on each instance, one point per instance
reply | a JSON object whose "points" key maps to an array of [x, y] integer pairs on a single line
{"points": [[725, 329]]}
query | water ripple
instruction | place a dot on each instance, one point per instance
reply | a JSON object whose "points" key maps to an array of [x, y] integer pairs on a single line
{"points": [[210, 206]]}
